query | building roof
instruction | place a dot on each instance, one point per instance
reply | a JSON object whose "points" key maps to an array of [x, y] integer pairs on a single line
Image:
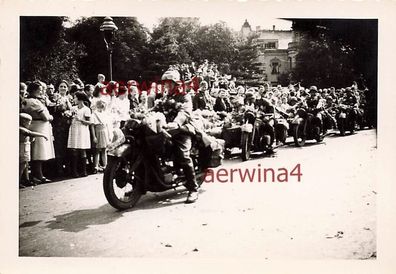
{"points": [[246, 24]]}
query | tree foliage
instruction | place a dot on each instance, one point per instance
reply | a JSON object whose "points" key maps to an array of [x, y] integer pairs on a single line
{"points": [[244, 63], [45, 53], [337, 52], [216, 43], [172, 41], [128, 54]]}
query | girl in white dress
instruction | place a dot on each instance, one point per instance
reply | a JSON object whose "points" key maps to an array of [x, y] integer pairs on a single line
{"points": [[79, 134], [100, 129]]}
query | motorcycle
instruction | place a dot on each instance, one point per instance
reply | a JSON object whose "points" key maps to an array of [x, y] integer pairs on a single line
{"points": [[346, 119], [257, 133], [306, 126], [281, 126], [144, 163]]}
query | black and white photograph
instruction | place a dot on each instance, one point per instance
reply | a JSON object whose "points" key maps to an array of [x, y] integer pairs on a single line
{"points": [[199, 135]]}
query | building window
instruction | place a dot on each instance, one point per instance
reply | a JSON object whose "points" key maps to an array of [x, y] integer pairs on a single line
{"points": [[270, 45], [275, 68]]}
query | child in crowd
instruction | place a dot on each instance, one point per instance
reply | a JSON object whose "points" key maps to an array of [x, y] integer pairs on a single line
{"points": [[101, 79], [24, 148], [100, 130], [79, 134], [123, 105]]}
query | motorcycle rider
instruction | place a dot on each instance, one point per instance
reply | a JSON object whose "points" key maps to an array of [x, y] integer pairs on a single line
{"points": [[351, 101], [315, 104], [265, 106], [182, 141]]}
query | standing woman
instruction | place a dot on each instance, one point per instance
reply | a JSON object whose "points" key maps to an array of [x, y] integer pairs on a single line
{"points": [[41, 149], [61, 124], [79, 135]]}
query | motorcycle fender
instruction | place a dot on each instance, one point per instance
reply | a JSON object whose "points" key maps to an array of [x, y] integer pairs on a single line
{"points": [[120, 151], [247, 128], [297, 120]]}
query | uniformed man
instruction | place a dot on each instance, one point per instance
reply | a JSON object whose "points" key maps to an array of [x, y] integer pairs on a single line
{"points": [[182, 141]]}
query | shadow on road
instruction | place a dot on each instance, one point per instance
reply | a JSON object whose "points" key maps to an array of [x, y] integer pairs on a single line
{"points": [[162, 199], [79, 220]]}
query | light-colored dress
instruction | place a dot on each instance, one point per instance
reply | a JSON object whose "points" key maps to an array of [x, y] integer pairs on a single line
{"points": [[41, 149], [79, 137], [101, 125]]}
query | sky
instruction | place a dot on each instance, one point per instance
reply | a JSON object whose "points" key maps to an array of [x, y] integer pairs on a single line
{"points": [[234, 21]]}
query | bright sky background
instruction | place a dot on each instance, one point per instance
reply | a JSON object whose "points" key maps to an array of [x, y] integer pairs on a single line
{"points": [[234, 21]]}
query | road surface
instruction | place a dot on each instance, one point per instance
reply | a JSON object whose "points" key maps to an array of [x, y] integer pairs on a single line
{"points": [[329, 214]]}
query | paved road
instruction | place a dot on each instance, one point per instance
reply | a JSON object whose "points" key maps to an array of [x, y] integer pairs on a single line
{"points": [[329, 214]]}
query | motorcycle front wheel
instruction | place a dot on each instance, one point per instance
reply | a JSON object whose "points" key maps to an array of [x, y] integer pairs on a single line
{"points": [[118, 186], [245, 141], [318, 136], [341, 126], [299, 135], [281, 134]]}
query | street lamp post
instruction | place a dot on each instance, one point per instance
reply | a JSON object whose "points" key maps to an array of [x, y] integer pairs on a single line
{"points": [[107, 28]]}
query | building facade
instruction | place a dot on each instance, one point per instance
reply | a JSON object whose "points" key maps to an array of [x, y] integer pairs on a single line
{"points": [[277, 51]]}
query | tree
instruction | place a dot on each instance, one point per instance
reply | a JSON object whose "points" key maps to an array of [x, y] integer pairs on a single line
{"points": [[337, 52], [324, 62], [45, 54], [172, 41], [130, 48], [216, 43], [244, 63]]}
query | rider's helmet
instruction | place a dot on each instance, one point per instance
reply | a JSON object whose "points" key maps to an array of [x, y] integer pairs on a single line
{"points": [[171, 75], [313, 89]]}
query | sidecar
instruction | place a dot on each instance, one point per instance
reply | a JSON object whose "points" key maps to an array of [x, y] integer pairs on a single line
{"points": [[232, 138]]}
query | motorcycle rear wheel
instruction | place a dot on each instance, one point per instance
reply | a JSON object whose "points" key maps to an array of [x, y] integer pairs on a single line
{"points": [[119, 198]]}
